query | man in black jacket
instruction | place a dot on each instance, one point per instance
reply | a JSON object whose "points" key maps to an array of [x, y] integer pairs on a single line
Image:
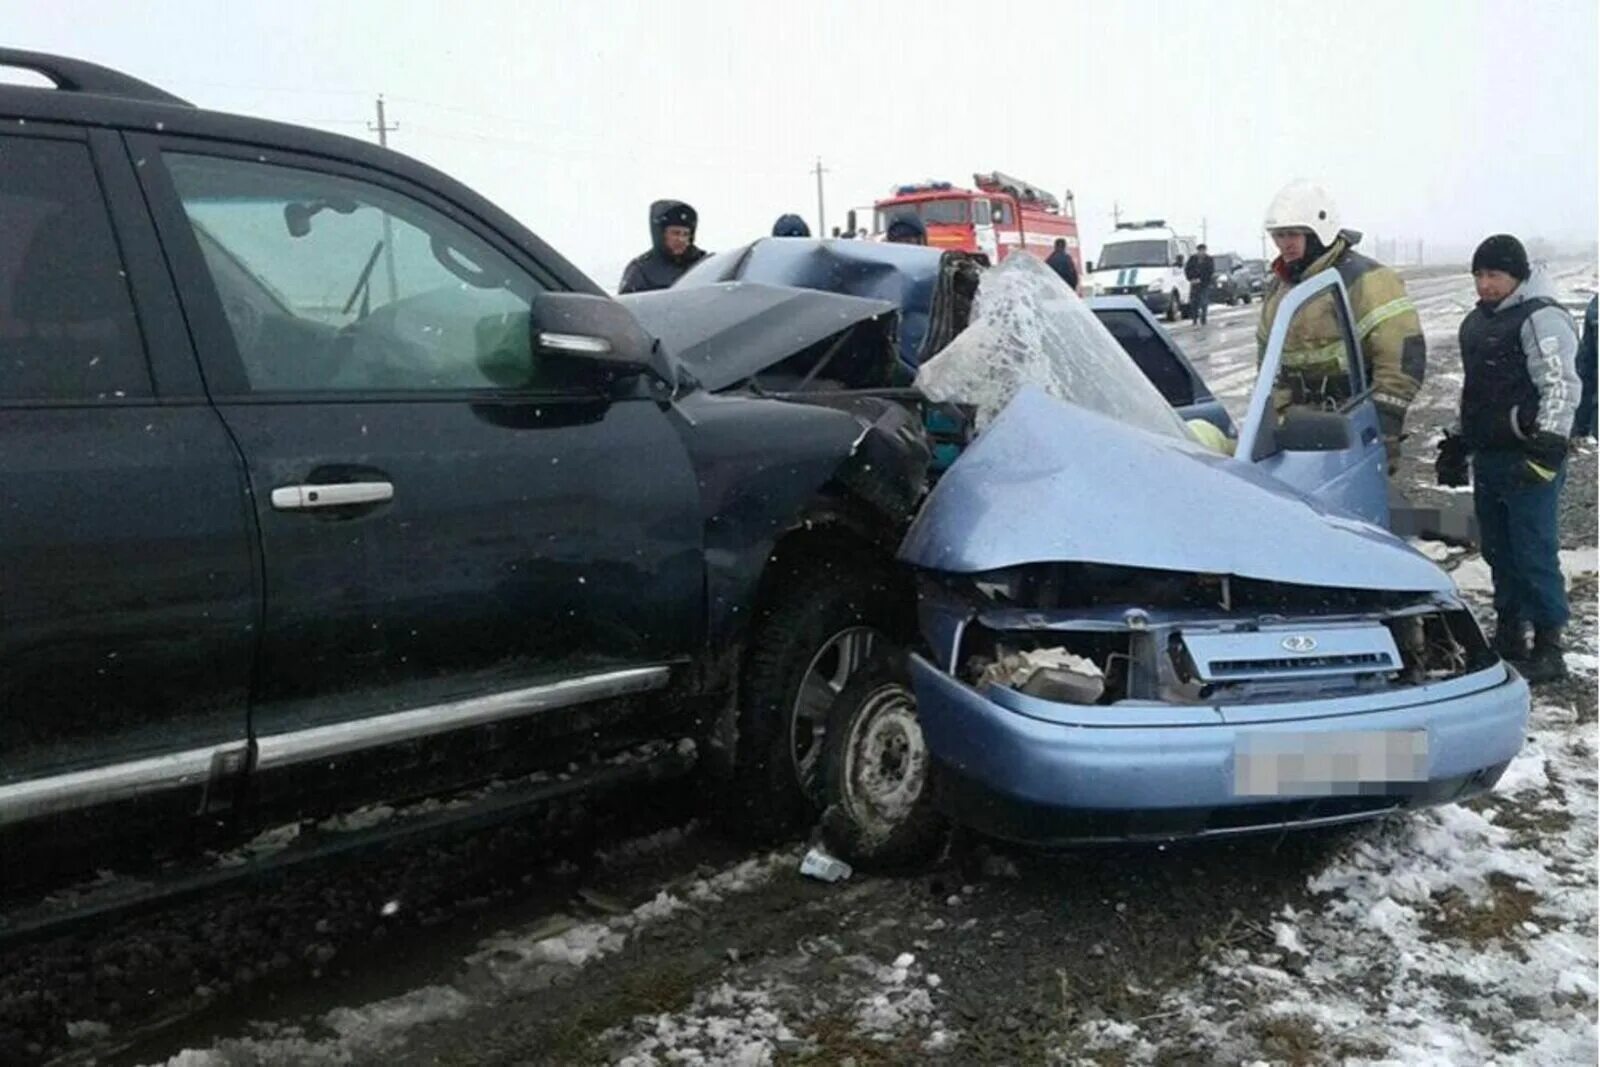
{"points": [[1200, 270], [1060, 261], [672, 252], [1518, 349]]}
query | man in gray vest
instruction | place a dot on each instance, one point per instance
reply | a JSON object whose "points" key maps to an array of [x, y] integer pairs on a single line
{"points": [[1521, 389]]}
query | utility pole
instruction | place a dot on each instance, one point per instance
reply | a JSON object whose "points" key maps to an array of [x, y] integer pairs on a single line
{"points": [[822, 219], [382, 128]]}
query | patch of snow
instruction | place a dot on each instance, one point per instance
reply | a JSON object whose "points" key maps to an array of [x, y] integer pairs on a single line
{"points": [[88, 1030], [361, 1035], [1287, 938], [504, 966], [266, 843], [1583, 662], [725, 1025], [1434, 550], [1576, 562], [359, 819], [639, 848], [1473, 576]]}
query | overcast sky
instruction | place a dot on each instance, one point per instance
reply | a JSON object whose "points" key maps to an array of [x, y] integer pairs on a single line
{"points": [[1444, 121]]}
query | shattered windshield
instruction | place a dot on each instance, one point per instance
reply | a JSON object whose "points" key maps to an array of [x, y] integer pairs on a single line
{"points": [[1133, 254], [1027, 328]]}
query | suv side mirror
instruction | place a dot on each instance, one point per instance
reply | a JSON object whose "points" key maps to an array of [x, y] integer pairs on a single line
{"points": [[597, 329], [567, 336], [1088, 266]]}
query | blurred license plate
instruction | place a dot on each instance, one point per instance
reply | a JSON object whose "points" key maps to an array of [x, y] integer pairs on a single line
{"points": [[1327, 763]]}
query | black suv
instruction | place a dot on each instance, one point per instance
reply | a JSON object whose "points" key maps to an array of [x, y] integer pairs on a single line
{"points": [[326, 482]]}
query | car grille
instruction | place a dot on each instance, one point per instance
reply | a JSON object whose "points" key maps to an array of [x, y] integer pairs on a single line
{"points": [[1366, 661]]}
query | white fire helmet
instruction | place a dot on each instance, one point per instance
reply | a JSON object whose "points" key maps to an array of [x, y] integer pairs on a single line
{"points": [[1306, 206]]}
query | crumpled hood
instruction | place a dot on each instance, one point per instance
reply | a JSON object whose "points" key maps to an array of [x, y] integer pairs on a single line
{"points": [[1051, 482], [908, 276], [727, 332]]}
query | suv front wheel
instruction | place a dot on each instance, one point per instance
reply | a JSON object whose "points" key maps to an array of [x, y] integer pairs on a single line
{"points": [[824, 621]]}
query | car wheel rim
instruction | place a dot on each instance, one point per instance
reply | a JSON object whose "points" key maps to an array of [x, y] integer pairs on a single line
{"points": [[886, 761], [825, 677]]}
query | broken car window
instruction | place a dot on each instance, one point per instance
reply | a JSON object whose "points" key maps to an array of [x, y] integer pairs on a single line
{"points": [[1029, 329]]}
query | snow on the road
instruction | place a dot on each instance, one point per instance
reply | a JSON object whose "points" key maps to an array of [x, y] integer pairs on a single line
{"points": [[506, 965], [776, 1006], [1452, 935]]}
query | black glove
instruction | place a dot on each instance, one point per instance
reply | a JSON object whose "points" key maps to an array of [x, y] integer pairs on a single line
{"points": [[1546, 449], [1450, 468]]}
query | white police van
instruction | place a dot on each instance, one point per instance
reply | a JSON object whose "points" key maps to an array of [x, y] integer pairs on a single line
{"points": [[1144, 259]]}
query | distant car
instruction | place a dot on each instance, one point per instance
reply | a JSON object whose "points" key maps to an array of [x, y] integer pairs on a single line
{"points": [[1253, 274], [1227, 287]]}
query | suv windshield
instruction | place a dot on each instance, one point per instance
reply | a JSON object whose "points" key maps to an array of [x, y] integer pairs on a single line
{"points": [[1133, 254], [952, 212]]}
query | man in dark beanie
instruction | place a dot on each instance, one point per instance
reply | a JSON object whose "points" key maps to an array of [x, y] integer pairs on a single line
{"points": [[1518, 351], [906, 230], [672, 252], [791, 226]]}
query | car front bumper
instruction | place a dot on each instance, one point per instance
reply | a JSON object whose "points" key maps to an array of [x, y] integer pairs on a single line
{"points": [[1039, 779]]}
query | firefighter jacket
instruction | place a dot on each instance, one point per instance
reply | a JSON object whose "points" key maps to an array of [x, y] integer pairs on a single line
{"points": [[1387, 331]]}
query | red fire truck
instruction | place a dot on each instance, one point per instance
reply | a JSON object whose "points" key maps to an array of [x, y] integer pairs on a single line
{"points": [[1003, 214]]}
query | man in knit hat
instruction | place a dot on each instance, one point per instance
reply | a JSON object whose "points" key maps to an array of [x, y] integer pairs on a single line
{"points": [[1521, 389]]}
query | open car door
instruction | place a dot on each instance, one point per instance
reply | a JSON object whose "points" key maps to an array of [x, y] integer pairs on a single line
{"points": [[1330, 450]]}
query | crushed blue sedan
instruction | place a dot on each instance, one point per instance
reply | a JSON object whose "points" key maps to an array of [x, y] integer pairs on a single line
{"points": [[1127, 635]]}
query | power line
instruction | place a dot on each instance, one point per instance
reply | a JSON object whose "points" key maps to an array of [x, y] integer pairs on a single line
{"points": [[382, 128], [822, 219]]}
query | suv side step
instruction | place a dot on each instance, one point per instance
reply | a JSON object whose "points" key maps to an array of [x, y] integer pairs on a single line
{"points": [[64, 910]]}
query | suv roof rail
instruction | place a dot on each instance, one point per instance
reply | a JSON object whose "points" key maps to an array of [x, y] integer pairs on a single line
{"points": [[79, 76]]}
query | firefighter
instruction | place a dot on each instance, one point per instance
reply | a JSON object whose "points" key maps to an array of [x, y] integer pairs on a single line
{"points": [[1060, 261], [672, 251], [906, 230], [1521, 389], [792, 226], [1304, 225]]}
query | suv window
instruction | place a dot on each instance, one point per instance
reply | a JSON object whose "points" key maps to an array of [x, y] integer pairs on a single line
{"points": [[67, 326], [333, 284], [1151, 354]]}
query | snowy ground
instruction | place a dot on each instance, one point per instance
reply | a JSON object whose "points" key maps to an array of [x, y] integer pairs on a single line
{"points": [[1452, 936]]}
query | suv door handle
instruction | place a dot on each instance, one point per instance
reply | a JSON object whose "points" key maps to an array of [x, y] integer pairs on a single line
{"points": [[1369, 435], [336, 495]]}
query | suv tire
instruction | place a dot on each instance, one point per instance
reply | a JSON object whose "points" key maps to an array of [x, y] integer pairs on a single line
{"points": [[822, 623]]}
